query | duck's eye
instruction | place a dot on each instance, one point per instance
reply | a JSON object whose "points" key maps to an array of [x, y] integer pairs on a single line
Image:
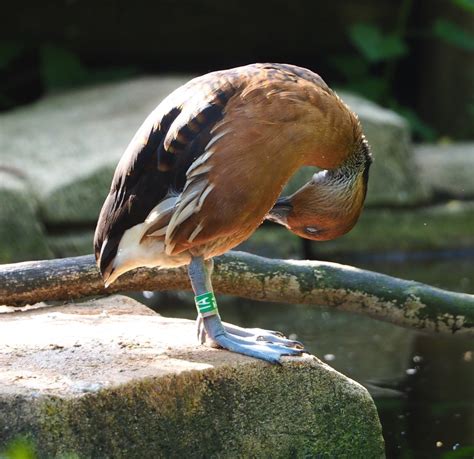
{"points": [[311, 230]]}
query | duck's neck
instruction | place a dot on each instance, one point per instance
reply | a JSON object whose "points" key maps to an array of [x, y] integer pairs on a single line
{"points": [[333, 200]]}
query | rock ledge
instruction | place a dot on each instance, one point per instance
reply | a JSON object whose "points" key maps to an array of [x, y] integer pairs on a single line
{"points": [[110, 378]]}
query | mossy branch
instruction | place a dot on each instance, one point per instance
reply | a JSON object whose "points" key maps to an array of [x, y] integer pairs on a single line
{"points": [[346, 288]]}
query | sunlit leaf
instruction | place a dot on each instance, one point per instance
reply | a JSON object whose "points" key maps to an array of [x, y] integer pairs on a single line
{"points": [[374, 44], [453, 34], [459, 453]]}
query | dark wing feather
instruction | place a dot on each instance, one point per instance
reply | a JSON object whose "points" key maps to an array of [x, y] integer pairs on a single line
{"points": [[136, 188], [156, 161]]}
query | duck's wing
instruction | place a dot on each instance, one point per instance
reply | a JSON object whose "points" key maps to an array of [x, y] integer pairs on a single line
{"points": [[155, 162]]}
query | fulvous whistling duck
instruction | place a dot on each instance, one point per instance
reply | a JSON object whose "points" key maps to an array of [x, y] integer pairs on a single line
{"points": [[207, 167]]}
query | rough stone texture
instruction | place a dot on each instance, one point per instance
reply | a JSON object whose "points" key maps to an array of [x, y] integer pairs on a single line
{"points": [[109, 378], [447, 169], [72, 243], [21, 233]]}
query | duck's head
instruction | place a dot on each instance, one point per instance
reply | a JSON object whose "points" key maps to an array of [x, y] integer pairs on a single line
{"points": [[329, 205]]}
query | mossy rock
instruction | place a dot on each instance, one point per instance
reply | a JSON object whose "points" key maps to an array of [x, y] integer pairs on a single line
{"points": [[447, 169], [22, 235], [71, 243], [109, 378], [438, 227], [72, 142]]}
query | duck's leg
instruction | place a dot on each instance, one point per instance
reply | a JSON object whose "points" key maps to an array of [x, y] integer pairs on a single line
{"points": [[270, 350]]}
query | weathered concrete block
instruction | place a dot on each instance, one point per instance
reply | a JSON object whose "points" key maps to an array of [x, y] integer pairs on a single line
{"points": [[21, 234], [447, 169], [109, 378]]}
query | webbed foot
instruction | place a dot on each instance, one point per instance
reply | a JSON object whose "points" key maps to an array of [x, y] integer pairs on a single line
{"points": [[254, 342]]}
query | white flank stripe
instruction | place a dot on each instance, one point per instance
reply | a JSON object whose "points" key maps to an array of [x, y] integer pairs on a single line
{"points": [[158, 233], [203, 169], [199, 161], [216, 138], [204, 195], [196, 231], [161, 208]]}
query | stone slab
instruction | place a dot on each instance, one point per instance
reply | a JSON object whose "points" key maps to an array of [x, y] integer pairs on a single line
{"points": [[393, 174], [72, 141], [447, 169], [22, 236], [110, 378]]}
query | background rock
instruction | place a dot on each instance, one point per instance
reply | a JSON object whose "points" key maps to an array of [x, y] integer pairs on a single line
{"points": [[447, 169], [393, 174], [66, 148], [68, 145], [21, 232]]}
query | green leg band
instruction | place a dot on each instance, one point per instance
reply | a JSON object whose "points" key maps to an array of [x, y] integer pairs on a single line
{"points": [[206, 304]]}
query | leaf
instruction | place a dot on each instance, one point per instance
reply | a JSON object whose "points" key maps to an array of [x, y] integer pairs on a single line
{"points": [[19, 448], [467, 5], [374, 45], [350, 66], [8, 51], [60, 68], [453, 34], [459, 453], [373, 87], [418, 126]]}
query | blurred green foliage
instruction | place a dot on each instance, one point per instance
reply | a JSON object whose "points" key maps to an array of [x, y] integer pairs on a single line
{"points": [[376, 46], [27, 71], [20, 448], [461, 452], [55, 67], [371, 73], [24, 448], [61, 68]]}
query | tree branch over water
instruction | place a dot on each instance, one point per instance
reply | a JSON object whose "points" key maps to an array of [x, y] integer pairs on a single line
{"points": [[402, 302]]}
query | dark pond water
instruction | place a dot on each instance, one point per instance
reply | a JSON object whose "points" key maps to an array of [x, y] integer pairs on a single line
{"points": [[422, 384]]}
